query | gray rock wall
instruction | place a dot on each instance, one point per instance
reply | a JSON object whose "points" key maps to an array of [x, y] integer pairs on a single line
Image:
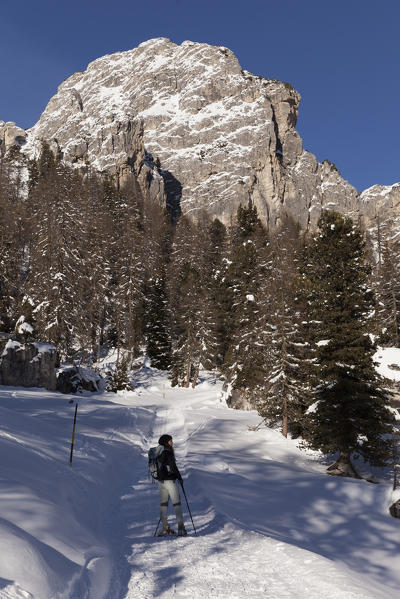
{"points": [[29, 365], [10, 134]]}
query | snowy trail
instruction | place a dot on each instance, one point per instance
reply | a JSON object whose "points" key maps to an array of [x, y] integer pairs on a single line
{"points": [[226, 559], [270, 523]]}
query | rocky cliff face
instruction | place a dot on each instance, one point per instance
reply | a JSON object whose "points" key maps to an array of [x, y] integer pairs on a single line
{"points": [[27, 365], [195, 129], [381, 202], [10, 134]]}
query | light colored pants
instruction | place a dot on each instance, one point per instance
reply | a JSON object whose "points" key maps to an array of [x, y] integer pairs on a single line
{"points": [[169, 489]]}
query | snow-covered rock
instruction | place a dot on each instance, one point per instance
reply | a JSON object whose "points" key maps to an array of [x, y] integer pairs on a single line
{"points": [[73, 379]]}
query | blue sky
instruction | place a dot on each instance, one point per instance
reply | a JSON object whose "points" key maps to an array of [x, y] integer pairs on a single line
{"points": [[342, 56]]}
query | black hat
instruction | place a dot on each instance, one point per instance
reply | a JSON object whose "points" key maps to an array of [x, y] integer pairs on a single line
{"points": [[164, 439]]}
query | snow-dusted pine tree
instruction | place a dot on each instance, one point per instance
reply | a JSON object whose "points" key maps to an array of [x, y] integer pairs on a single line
{"points": [[244, 361], [126, 250], [216, 264], [191, 314], [56, 258], [285, 392], [384, 240], [157, 334], [350, 416], [14, 237], [26, 323], [119, 380], [387, 289], [95, 272]]}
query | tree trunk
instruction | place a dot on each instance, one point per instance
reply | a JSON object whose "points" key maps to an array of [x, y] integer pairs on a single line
{"points": [[195, 377], [131, 337], [93, 339], [343, 466], [188, 369], [285, 419], [118, 338], [102, 325], [283, 360], [394, 317]]}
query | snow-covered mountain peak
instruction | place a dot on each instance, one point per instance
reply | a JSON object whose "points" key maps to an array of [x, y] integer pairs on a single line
{"points": [[209, 123], [194, 128]]}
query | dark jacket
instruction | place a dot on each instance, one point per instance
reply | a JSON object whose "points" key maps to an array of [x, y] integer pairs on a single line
{"points": [[168, 468]]}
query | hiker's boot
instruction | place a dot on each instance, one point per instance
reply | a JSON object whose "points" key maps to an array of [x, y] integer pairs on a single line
{"points": [[166, 531], [181, 530]]}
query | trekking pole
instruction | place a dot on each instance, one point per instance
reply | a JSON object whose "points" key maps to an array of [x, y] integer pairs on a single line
{"points": [[187, 503], [73, 436], [157, 527]]}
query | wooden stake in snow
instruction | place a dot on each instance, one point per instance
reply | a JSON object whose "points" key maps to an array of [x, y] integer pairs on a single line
{"points": [[73, 435], [163, 392], [394, 509]]}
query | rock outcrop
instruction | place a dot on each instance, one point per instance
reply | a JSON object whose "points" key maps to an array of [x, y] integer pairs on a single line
{"points": [[10, 135], [74, 379], [28, 365], [194, 129], [380, 202], [394, 509]]}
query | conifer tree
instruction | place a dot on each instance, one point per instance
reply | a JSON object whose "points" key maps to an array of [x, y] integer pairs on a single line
{"points": [[95, 271], [284, 393], [384, 241], [56, 257], [158, 233], [376, 239], [350, 415], [157, 334], [246, 272], [131, 273], [217, 282], [387, 289], [26, 323], [126, 266], [119, 380], [14, 238], [192, 320]]}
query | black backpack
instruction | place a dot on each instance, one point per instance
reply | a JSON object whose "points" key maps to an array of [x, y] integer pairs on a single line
{"points": [[154, 461]]}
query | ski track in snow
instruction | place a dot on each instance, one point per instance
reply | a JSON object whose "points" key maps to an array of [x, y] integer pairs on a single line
{"points": [[269, 522]]}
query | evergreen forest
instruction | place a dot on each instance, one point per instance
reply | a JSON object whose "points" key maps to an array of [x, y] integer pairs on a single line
{"points": [[288, 319]]}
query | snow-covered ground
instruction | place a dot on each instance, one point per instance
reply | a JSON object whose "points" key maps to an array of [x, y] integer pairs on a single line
{"points": [[270, 522], [388, 362]]}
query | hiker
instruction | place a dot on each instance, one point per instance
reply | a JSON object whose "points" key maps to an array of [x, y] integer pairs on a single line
{"points": [[167, 476]]}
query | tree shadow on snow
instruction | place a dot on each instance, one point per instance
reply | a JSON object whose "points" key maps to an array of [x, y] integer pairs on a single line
{"points": [[341, 519]]}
